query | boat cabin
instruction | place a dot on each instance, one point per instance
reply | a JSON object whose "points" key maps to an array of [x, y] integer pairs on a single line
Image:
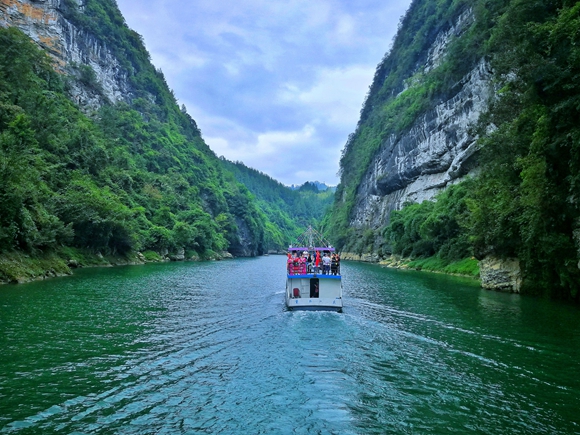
{"points": [[313, 279]]}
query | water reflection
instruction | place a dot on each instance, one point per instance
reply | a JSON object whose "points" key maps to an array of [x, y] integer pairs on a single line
{"points": [[208, 347]]}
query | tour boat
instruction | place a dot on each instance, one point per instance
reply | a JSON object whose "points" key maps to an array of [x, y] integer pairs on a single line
{"points": [[313, 285]]}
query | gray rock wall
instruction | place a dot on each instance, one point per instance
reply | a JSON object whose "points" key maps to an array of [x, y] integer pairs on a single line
{"points": [[435, 152], [243, 247], [500, 274], [366, 258], [44, 23]]}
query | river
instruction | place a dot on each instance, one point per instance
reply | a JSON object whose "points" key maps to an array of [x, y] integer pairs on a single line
{"points": [[188, 348]]}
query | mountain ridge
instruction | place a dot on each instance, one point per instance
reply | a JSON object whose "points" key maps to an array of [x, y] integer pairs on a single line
{"points": [[464, 150], [97, 155]]}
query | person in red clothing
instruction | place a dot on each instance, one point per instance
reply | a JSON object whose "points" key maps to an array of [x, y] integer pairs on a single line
{"points": [[303, 263], [296, 265], [317, 261]]}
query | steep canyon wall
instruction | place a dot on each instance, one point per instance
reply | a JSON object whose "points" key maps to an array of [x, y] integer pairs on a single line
{"points": [[145, 153], [44, 22], [437, 150]]}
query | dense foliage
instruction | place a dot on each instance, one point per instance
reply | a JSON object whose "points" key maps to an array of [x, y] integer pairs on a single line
{"points": [[400, 92], [525, 202], [289, 211], [133, 177], [432, 228]]}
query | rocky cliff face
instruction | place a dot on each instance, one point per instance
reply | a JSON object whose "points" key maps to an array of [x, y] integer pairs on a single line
{"points": [[72, 49], [243, 246], [501, 274], [436, 151]]}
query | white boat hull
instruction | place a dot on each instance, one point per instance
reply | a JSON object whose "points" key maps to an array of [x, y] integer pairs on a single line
{"points": [[302, 292], [315, 304]]}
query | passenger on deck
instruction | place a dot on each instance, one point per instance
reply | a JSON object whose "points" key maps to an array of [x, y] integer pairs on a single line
{"points": [[326, 264], [289, 263], [333, 265], [296, 266], [317, 262]]}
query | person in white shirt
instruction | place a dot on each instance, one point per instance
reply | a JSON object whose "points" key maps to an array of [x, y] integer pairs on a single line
{"points": [[326, 264]]}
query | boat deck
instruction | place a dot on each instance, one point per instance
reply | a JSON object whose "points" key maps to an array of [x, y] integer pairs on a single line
{"points": [[313, 275], [313, 280]]}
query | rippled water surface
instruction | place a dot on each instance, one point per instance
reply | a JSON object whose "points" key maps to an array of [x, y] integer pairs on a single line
{"points": [[186, 348]]}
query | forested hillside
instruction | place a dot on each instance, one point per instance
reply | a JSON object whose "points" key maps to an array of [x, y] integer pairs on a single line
{"points": [[521, 201], [113, 177], [122, 180], [289, 211]]}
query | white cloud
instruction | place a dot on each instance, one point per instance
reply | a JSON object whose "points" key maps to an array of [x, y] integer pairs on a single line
{"points": [[269, 150], [345, 29], [336, 97], [276, 84]]}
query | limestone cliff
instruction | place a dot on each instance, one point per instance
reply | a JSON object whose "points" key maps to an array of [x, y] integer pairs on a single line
{"points": [[73, 49], [501, 274], [475, 106], [416, 133], [438, 149]]}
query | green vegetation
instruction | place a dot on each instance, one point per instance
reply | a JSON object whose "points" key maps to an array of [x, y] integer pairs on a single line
{"points": [[525, 202], [130, 176], [435, 235], [288, 211], [431, 228], [467, 266], [22, 267]]}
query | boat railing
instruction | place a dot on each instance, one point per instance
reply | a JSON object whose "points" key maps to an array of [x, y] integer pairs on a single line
{"points": [[300, 268], [308, 260]]}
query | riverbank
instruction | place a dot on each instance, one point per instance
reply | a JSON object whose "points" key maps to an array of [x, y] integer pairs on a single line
{"points": [[468, 267], [18, 267], [493, 273]]}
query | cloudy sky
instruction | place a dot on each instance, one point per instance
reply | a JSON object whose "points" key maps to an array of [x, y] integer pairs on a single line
{"points": [[276, 84]]}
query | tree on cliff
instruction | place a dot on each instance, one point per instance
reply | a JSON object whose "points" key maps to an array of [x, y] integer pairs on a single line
{"points": [[525, 201]]}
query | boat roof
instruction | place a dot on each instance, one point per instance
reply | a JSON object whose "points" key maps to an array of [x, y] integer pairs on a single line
{"points": [[308, 240], [311, 248]]}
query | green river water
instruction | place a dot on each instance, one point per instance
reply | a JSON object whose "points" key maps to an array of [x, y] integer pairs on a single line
{"points": [[188, 348]]}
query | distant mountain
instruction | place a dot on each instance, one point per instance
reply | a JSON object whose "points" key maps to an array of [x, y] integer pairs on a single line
{"points": [[313, 185], [289, 210]]}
